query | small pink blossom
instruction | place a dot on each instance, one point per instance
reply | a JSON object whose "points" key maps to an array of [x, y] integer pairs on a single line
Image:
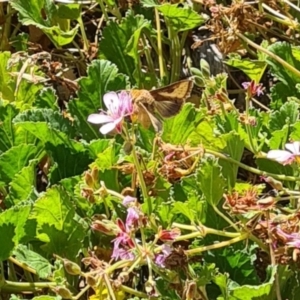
{"points": [[119, 105], [160, 259], [253, 88], [293, 239], [288, 156], [128, 200], [133, 217]]}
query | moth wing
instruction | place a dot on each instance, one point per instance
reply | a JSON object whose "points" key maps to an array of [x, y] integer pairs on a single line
{"points": [[146, 118], [180, 91], [169, 99]]}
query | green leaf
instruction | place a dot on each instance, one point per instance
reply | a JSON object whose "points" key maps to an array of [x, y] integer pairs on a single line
{"points": [[180, 18], [97, 146], [53, 119], [149, 3], [254, 69], [49, 127], [31, 13], [102, 77], [287, 86], [113, 46], [285, 51], [178, 129], [47, 98], [13, 160], [12, 228], [69, 11], [56, 224], [287, 115], [33, 260], [7, 132], [211, 181], [68, 162], [234, 149], [7, 86], [135, 24], [259, 292], [22, 186]]}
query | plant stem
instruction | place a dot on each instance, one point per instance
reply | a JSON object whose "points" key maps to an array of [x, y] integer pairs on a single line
{"points": [[83, 35], [250, 169], [159, 45], [225, 218], [141, 180], [103, 10], [149, 61], [218, 245]]}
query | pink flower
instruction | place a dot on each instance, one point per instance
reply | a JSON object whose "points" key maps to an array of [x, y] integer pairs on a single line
{"points": [[160, 259], [288, 156], [128, 200], [253, 88], [118, 107], [133, 217], [292, 239]]}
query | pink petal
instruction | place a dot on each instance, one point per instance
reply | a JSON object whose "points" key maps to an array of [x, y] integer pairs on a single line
{"points": [[111, 101], [99, 119], [293, 147], [280, 155], [108, 127]]}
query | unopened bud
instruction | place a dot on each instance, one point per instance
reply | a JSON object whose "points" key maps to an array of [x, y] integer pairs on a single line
{"points": [[95, 174], [71, 268], [91, 281], [88, 179], [63, 292], [205, 68], [127, 147]]}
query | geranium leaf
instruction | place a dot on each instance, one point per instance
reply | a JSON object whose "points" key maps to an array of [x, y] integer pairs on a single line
{"points": [[56, 226], [30, 14]]}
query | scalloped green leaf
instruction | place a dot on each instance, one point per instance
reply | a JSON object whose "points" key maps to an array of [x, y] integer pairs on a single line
{"points": [[43, 14], [57, 227], [180, 18], [234, 149], [178, 129], [212, 183], [7, 132], [288, 114], [254, 69], [22, 186], [33, 260], [12, 228], [13, 160]]}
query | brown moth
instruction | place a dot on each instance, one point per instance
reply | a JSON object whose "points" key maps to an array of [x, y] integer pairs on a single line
{"points": [[164, 102]]}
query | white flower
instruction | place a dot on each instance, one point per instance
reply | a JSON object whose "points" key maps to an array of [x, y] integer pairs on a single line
{"points": [[287, 156]]}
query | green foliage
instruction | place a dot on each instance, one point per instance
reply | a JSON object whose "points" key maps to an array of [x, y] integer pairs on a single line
{"points": [[50, 21], [200, 204]]}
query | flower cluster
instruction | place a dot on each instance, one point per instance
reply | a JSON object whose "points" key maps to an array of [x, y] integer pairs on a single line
{"points": [[119, 106]]}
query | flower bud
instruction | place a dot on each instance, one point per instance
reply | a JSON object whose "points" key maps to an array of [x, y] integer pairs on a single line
{"points": [[88, 179], [90, 280], [63, 292], [71, 268], [205, 68]]}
